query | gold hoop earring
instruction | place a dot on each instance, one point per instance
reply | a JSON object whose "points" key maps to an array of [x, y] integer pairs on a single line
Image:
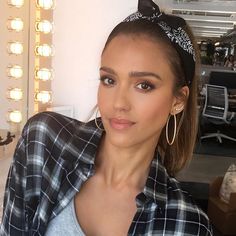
{"points": [[167, 127], [96, 122]]}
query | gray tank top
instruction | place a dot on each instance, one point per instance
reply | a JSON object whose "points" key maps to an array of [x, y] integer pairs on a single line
{"points": [[65, 223]]}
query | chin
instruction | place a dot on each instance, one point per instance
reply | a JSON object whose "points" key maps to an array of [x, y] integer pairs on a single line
{"points": [[120, 140]]}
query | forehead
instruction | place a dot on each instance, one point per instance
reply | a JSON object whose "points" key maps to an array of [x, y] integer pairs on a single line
{"points": [[141, 39], [136, 50]]}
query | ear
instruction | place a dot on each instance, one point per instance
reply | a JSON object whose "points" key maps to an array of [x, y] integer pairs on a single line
{"points": [[180, 100]]}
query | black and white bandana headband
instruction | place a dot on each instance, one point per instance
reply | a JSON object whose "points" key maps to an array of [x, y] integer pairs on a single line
{"points": [[172, 27]]}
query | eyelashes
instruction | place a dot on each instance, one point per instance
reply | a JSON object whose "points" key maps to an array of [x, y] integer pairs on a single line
{"points": [[145, 85], [141, 85], [107, 81]]}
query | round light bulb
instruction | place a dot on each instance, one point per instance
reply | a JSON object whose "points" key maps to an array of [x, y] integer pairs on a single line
{"points": [[15, 71], [43, 96], [16, 3], [15, 94], [45, 4], [43, 74], [15, 116], [15, 24], [15, 48], [44, 50], [44, 26]]}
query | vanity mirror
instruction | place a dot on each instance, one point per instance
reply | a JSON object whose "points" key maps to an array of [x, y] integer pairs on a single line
{"points": [[25, 65]]}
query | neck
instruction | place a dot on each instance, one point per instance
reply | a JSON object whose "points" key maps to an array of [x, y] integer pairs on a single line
{"points": [[119, 166]]}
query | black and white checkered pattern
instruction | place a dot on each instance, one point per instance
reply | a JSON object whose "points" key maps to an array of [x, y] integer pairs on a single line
{"points": [[55, 155]]}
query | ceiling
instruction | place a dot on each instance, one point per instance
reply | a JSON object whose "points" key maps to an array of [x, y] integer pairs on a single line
{"points": [[209, 19]]}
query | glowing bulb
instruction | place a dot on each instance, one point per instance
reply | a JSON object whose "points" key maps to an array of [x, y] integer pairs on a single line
{"points": [[43, 96], [44, 50], [45, 4], [15, 24], [16, 3], [15, 116], [15, 48], [15, 71], [43, 74], [15, 94], [44, 26]]}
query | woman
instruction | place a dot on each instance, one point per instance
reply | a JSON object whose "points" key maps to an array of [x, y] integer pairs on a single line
{"points": [[114, 175]]}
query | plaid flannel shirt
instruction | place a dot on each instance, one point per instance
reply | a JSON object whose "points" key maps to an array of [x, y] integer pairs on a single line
{"points": [[55, 156]]}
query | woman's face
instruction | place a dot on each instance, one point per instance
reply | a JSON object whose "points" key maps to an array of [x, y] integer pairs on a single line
{"points": [[135, 95]]}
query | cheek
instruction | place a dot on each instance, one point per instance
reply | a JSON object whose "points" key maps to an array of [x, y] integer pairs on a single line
{"points": [[98, 95], [155, 110], [99, 98], [102, 100]]}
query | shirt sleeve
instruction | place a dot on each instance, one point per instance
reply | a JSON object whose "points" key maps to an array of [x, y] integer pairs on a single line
{"points": [[29, 181], [14, 220]]}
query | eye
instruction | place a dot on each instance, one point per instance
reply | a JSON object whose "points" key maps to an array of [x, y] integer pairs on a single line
{"points": [[107, 80], [146, 86]]}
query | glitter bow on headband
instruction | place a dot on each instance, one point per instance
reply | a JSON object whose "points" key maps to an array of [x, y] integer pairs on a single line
{"points": [[173, 28]]}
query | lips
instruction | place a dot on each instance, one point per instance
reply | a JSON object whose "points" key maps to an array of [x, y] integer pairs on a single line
{"points": [[121, 124]]}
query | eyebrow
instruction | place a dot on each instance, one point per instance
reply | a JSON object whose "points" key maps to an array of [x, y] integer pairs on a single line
{"points": [[108, 70], [144, 74], [132, 73]]}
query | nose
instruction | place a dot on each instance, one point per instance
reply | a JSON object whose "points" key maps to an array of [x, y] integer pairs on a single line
{"points": [[122, 101]]}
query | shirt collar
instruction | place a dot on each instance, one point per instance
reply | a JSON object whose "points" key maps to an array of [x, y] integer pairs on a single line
{"points": [[156, 185], [81, 150]]}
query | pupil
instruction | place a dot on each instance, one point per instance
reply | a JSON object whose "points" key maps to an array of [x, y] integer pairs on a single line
{"points": [[144, 86]]}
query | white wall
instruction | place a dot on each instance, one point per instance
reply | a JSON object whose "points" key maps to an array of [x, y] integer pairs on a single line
{"points": [[81, 29]]}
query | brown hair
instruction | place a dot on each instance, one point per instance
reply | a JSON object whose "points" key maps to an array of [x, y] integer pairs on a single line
{"points": [[174, 156]]}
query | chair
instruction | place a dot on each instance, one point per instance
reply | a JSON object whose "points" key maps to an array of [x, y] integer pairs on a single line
{"points": [[223, 78], [222, 215], [216, 110]]}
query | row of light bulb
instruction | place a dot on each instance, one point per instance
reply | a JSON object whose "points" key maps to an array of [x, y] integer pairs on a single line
{"points": [[41, 26], [16, 94], [17, 48], [43, 50], [15, 71], [44, 4], [43, 74], [17, 25]]}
